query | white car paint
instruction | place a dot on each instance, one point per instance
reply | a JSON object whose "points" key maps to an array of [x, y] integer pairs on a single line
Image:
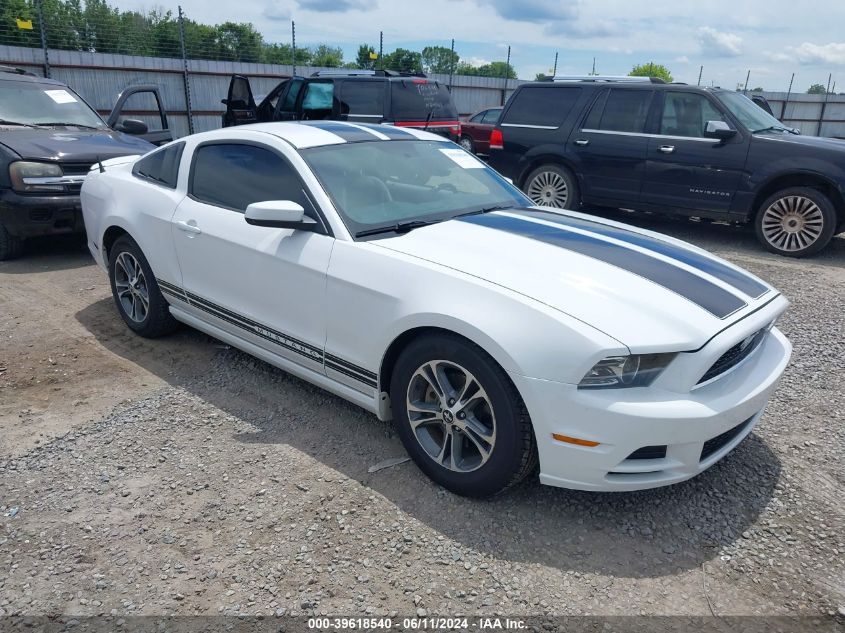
{"points": [[328, 309]]}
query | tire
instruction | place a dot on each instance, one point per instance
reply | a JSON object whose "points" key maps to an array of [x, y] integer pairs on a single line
{"points": [[468, 144], [795, 222], [132, 281], [553, 186], [10, 246], [494, 440]]}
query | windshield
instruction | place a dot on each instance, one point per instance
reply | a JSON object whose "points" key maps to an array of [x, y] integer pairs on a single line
{"points": [[414, 99], [749, 113], [44, 104], [383, 183]]}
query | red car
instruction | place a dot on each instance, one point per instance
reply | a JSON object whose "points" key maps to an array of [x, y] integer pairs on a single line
{"points": [[475, 133]]}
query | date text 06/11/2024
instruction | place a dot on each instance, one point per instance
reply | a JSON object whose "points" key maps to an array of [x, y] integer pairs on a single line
{"points": [[417, 623]]}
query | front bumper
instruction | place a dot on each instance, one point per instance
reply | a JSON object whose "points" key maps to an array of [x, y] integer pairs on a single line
{"points": [[697, 428], [32, 215]]}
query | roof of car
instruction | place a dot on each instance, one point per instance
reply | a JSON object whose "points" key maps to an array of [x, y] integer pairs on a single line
{"points": [[618, 84], [12, 75], [305, 134]]}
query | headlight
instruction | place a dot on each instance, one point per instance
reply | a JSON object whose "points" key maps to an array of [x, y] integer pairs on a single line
{"points": [[27, 176], [637, 370]]}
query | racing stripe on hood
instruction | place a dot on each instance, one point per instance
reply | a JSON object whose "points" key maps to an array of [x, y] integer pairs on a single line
{"points": [[349, 133], [704, 293], [713, 267]]}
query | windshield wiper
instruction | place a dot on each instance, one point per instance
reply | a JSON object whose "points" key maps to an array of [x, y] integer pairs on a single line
{"points": [[399, 227], [772, 128], [65, 123], [5, 122], [499, 207]]}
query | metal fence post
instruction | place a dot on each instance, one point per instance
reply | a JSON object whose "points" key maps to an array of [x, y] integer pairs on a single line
{"points": [[785, 101], [451, 64], [185, 77], [293, 45], [507, 77], [43, 29]]}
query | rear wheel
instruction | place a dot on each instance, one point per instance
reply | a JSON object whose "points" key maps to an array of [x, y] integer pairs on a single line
{"points": [[10, 246], [553, 186], [460, 417], [467, 144], [136, 293], [795, 222]]}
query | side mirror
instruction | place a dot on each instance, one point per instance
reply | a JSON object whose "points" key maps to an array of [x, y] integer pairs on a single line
{"points": [[280, 214], [718, 130], [132, 126]]}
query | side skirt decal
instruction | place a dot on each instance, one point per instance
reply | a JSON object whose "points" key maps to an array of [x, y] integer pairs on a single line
{"points": [[281, 339]]}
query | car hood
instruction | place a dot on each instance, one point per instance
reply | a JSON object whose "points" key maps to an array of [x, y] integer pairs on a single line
{"points": [[71, 144], [646, 290], [820, 142]]}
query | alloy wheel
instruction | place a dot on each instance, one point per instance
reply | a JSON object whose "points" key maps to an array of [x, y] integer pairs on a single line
{"points": [[451, 416], [131, 287], [466, 143], [792, 223], [548, 188]]}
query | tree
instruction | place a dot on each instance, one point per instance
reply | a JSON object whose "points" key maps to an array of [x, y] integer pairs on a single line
{"points": [[651, 70], [757, 89], [366, 57], [403, 60], [439, 59], [327, 56], [238, 42], [816, 89], [493, 69], [542, 77], [283, 54]]}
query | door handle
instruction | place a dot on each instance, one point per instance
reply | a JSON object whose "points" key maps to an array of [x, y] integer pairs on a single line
{"points": [[582, 142], [188, 228], [666, 149]]}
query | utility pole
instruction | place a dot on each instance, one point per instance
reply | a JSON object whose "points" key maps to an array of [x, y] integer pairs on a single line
{"points": [[451, 64], [43, 29], [186, 78], [293, 45]]}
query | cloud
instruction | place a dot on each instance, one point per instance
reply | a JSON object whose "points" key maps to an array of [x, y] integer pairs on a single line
{"points": [[719, 44], [333, 6], [277, 11], [683, 59], [534, 10], [808, 53]]}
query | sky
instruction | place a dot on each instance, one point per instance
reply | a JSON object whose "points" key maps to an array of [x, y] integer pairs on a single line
{"points": [[771, 38]]}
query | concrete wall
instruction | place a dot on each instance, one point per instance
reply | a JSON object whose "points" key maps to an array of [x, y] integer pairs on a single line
{"points": [[99, 78]]}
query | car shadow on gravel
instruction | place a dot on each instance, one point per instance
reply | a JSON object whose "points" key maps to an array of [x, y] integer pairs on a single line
{"points": [[651, 533], [719, 236], [47, 254]]}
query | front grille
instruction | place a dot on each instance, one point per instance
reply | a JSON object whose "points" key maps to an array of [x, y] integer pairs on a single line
{"points": [[735, 355], [648, 452], [74, 169], [712, 445]]}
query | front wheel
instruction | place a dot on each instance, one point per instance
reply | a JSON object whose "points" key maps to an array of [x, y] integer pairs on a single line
{"points": [[10, 246], [553, 186], [460, 418], [795, 222], [136, 293]]}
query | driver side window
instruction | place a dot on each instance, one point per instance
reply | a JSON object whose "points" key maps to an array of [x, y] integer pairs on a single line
{"points": [[686, 114], [233, 176]]}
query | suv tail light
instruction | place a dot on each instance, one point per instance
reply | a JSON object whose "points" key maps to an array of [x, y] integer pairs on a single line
{"points": [[497, 141]]}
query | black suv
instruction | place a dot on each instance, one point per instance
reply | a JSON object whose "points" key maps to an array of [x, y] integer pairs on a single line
{"points": [[672, 148], [374, 96], [49, 139]]}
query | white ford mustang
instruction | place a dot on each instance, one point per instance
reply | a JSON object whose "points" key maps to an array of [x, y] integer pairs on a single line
{"points": [[394, 269]]}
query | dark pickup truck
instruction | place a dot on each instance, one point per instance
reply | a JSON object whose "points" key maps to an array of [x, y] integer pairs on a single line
{"points": [[675, 149], [49, 139]]}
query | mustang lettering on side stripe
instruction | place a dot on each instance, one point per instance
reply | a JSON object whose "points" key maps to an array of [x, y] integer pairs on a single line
{"points": [[736, 278], [306, 350], [707, 295]]}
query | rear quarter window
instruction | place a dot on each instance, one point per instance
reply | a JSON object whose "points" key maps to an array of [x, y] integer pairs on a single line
{"points": [[362, 98], [161, 166], [546, 107], [413, 99]]}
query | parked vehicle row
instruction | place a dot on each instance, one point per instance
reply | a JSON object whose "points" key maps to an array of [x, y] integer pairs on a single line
{"points": [[401, 273], [674, 149], [49, 138]]}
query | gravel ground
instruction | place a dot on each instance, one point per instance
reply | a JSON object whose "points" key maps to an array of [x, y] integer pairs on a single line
{"points": [[180, 476]]}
